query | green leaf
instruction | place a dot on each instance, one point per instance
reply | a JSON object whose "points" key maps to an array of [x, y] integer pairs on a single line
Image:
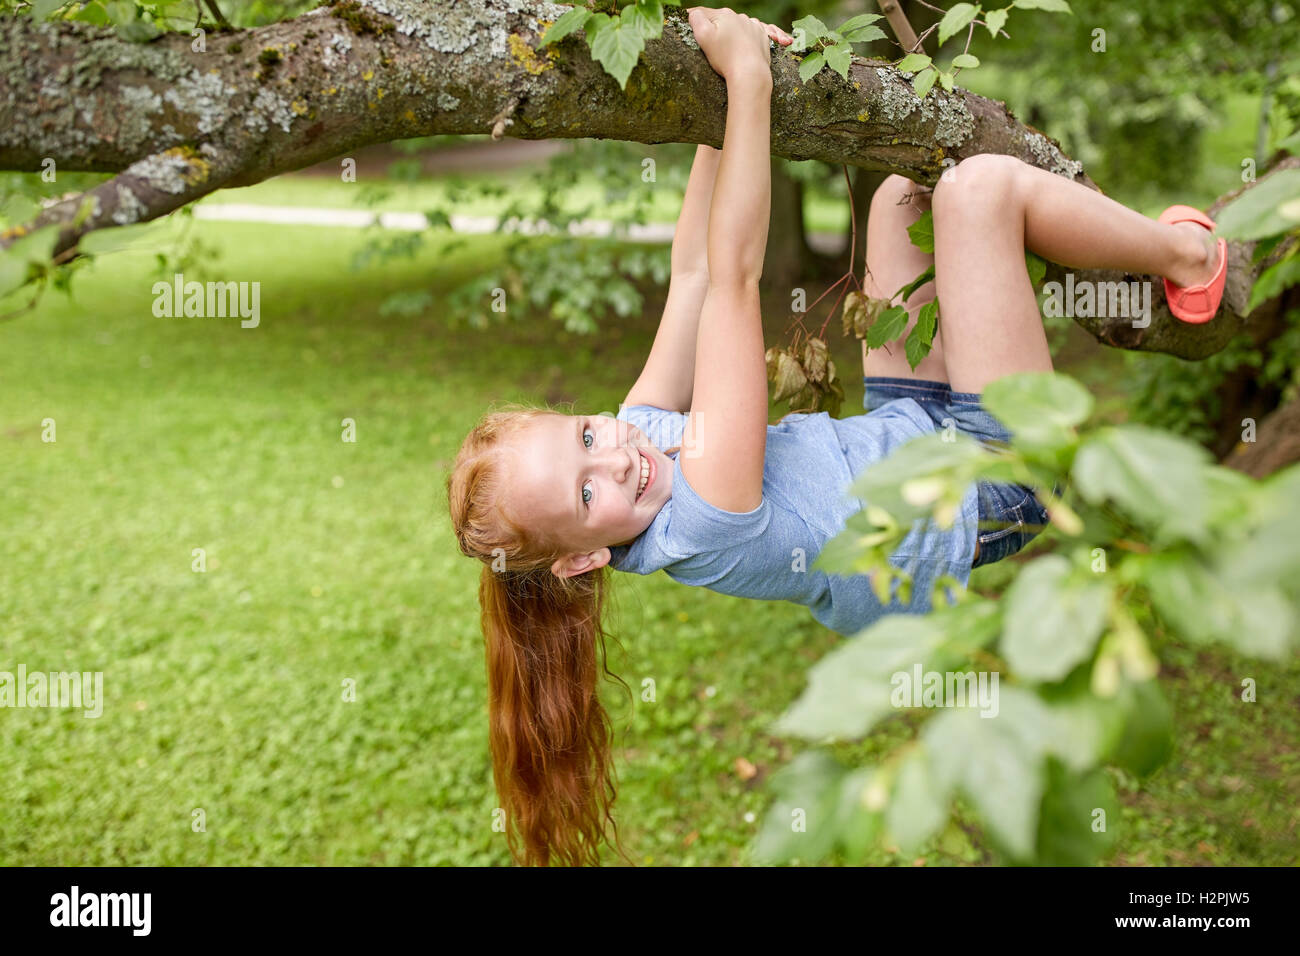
{"points": [[616, 47], [921, 338], [127, 22], [1291, 144], [955, 20], [1038, 407], [1083, 728], [923, 81], [1270, 555], [921, 232], [929, 454], [594, 22], [918, 806], [1274, 279], [974, 623], [1148, 737], [946, 81], [1068, 815], [913, 63], [857, 827], [1268, 623], [994, 765], [91, 13], [922, 279], [860, 541], [801, 822], [915, 349], [995, 20], [34, 251], [1052, 6], [888, 327], [138, 31], [866, 35], [1266, 246], [562, 27], [647, 16], [859, 30], [43, 8], [1153, 476], [965, 61], [1053, 619], [850, 689], [839, 57], [1265, 209], [810, 66], [812, 30], [1188, 597], [1251, 616]]}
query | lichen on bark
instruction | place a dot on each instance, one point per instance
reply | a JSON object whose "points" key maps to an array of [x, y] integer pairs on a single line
{"points": [[174, 171], [1049, 156], [953, 123], [481, 26]]}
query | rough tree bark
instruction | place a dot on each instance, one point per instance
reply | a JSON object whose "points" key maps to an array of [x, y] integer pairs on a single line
{"points": [[176, 124]]}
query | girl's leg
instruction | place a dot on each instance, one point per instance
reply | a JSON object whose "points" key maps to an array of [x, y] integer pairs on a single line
{"points": [[988, 212], [892, 262]]}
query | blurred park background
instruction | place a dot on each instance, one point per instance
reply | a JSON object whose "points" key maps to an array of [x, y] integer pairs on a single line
{"points": [[330, 561]]}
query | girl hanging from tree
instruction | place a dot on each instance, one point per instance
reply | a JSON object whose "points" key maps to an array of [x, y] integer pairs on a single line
{"points": [[690, 478]]}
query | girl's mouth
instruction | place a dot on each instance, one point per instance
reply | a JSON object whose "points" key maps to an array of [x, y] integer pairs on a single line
{"points": [[648, 470]]}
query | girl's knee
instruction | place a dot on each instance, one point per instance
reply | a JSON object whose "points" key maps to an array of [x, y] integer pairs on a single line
{"points": [[983, 178], [895, 189]]}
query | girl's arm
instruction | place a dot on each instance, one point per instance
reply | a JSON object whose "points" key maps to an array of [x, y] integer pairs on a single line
{"points": [[669, 374], [729, 404]]}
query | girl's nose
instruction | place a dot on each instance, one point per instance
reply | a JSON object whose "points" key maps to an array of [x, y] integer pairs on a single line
{"points": [[619, 460]]}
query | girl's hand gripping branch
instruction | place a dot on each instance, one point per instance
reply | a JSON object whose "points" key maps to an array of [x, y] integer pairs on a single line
{"points": [[736, 45]]}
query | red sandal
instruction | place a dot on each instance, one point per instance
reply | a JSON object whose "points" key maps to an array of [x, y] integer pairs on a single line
{"points": [[1196, 304]]}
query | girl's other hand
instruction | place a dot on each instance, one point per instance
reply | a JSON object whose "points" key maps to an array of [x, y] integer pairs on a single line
{"points": [[735, 44]]}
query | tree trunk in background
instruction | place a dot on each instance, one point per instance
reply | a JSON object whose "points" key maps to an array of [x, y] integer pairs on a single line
{"points": [[788, 256], [1242, 397], [1276, 445]]}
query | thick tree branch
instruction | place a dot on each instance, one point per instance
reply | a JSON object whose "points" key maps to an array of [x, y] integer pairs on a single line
{"points": [[148, 189], [179, 124]]}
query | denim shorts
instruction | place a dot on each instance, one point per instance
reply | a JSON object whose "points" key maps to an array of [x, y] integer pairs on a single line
{"points": [[1010, 516]]}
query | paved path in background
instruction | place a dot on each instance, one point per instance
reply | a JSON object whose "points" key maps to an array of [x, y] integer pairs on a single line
{"points": [[825, 242]]}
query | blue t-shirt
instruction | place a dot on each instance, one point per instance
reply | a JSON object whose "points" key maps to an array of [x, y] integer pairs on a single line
{"points": [[767, 553]]}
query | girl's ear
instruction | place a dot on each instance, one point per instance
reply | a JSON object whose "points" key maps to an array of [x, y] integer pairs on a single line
{"points": [[580, 563]]}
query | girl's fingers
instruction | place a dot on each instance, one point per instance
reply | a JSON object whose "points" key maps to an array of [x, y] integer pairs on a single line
{"points": [[777, 34]]}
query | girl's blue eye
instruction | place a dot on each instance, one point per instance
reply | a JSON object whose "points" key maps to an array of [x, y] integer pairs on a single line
{"points": [[586, 493]]}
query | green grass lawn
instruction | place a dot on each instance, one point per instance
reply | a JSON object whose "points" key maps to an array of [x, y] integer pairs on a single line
{"points": [[330, 562], [296, 189], [823, 212]]}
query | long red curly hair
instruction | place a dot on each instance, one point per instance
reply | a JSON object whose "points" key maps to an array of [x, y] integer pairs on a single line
{"points": [[545, 643]]}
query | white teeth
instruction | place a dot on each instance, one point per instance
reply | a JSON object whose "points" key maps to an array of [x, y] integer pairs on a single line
{"points": [[645, 476]]}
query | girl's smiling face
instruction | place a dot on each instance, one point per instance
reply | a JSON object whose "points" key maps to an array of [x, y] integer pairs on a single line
{"points": [[579, 477]]}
